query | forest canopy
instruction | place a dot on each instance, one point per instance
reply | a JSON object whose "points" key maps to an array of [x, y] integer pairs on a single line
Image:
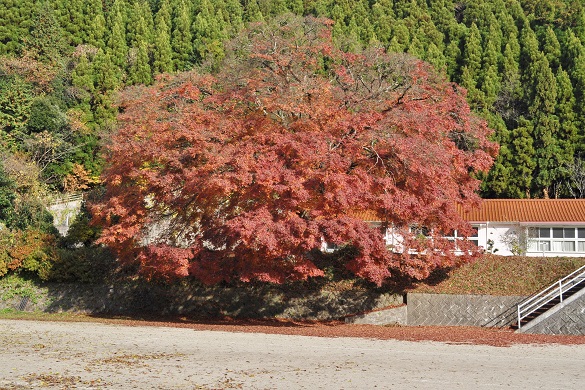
{"points": [[241, 173]]}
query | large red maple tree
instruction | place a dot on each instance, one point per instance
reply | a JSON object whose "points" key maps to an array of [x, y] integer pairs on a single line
{"points": [[239, 174]]}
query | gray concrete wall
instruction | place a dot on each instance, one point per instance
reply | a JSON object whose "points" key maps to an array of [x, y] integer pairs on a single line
{"points": [[461, 310], [64, 212], [391, 316]]}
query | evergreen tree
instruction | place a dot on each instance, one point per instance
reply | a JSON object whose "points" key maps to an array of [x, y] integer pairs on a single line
{"points": [[507, 24], [164, 14], [106, 75], [95, 22], [273, 7], [106, 81], [181, 38], [117, 47], [470, 72], [441, 12], [428, 33], [7, 197], [473, 53], [209, 30], [16, 97], [416, 48], [17, 18], [296, 6], [140, 71], [319, 8], [546, 127], [252, 12], [46, 42], [140, 24], [552, 48], [383, 18], [490, 80], [574, 63], [522, 161], [453, 51], [400, 37], [569, 144], [478, 12], [358, 12], [529, 56], [82, 78], [403, 9], [496, 183], [234, 16], [162, 53], [73, 21], [435, 56]]}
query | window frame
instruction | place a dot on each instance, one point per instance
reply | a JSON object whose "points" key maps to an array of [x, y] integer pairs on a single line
{"points": [[556, 239]]}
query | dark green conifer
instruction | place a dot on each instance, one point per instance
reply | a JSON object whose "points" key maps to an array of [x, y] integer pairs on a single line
{"points": [[17, 18], [182, 38], [117, 47], [252, 12], [72, 20], [552, 48], [162, 52], [46, 42], [210, 31], [95, 23], [383, 19], [522, 161], [140, 71]]}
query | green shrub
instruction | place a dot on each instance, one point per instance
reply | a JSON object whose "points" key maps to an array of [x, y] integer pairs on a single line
{"points": [[82, 265]]}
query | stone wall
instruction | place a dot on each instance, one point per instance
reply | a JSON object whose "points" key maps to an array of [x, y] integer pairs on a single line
{"points": [[461, 310], [385, 317], [64, 211], [198, 301]]}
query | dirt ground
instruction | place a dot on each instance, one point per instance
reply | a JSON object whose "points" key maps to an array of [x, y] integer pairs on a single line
{"points": [[115, 354]]}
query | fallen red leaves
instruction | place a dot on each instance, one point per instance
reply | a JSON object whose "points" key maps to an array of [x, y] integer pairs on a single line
{"points": [[451, 335]]}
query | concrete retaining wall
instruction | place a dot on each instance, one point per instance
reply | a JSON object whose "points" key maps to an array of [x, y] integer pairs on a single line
{"points": [[461, 310], [198, 301], [64, 212], [391, 316]]}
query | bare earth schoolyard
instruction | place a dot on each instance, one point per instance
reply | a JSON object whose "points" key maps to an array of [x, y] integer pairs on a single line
{"points": [[83, 355]]}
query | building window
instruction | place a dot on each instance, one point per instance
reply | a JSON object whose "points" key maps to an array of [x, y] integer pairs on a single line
{"points": [[454, 235], [474, 236], [420, 231], [556, 239]]}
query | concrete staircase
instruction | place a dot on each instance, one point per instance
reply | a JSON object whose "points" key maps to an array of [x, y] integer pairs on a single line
{"points": [[559, 308]]}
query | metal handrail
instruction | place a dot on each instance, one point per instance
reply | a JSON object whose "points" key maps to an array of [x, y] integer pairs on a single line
{"points": [[66, 198], [538, 300]]}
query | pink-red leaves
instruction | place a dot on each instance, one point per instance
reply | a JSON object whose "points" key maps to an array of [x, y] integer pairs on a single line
{"points": [[241, 175]]}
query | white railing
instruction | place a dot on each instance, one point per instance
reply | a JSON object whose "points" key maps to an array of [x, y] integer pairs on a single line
{"points": [[552, 292], [65, 198]]}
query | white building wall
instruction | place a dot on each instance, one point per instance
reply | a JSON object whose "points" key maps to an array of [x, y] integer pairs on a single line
{"points": [[503, 238], [491, 237]]}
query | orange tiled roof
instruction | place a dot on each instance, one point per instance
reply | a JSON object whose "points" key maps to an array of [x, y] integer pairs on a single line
{"points": [[366, 215], [515, 210], [528, 210]]}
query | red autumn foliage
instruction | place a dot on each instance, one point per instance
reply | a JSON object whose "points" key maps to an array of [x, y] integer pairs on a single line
{"points": [[240, 174]]}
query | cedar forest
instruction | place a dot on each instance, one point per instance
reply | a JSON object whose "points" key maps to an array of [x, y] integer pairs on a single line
{"points": [[225, 139]]}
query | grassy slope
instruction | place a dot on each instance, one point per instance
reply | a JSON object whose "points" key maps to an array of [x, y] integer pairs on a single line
{"points": [[499, 275]]}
